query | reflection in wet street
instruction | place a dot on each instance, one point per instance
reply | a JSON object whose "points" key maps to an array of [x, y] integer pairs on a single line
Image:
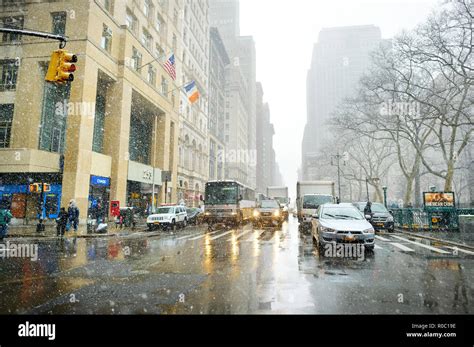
{"points": [[233, 271]]}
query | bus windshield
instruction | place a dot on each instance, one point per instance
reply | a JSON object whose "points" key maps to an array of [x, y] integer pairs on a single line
{"points": [[221, 194]]}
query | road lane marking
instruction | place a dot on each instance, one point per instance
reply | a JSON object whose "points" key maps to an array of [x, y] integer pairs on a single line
{"points": [[187, 236], [381, 238], [402, 247], [221, 235], [240, 235], [437, 250], [377, 247], [204, 235], [460, 250]]}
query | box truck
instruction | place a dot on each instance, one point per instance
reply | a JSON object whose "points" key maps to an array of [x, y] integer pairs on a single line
{"points": [[309, 195]]}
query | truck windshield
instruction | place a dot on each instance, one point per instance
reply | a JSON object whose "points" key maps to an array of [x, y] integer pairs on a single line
{"points": [[282, 200], [313, 201], [269, 204], [220, 194]]}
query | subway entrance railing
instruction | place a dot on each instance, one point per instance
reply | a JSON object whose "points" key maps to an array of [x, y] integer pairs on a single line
{"points": [[419, 219]]}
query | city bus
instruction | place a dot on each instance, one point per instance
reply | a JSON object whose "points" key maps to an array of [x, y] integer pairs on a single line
{"points": [[228, 202]]}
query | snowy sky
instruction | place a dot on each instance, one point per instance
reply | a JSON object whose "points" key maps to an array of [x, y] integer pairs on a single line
{"points": [[284, 32]]}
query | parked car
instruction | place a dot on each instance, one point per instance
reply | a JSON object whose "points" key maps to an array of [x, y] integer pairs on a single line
{"points": [[268, 212], [341, 223], [194, 215], [381, 219], [167, 217]]}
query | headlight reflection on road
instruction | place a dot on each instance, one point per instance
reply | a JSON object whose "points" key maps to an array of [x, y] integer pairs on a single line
{"points": [[207, 253], [235, 248]]}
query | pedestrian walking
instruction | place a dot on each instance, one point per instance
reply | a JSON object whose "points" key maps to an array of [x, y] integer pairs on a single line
{"points": [[61, 222], [73, 215], [368, 209], [5, 218]]}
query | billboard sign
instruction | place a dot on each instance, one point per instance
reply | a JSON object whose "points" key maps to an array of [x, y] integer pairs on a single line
{"points": [[439, 200]]}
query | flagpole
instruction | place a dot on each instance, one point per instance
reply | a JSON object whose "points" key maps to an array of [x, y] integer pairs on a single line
{"points": [[181, 86], [156, 59]]}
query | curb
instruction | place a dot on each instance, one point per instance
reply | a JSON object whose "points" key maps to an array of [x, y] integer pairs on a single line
{"points": [[461, 245]]}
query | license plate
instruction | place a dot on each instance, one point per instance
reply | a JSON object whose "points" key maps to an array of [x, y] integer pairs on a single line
{"points": [[349, 238], [379, 224], [156, 222]]}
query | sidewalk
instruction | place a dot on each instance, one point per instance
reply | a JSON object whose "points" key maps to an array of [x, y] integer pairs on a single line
{"points": [[50, 231]]}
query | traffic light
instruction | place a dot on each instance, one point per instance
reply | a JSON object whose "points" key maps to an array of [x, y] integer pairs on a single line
{"points": [[61, 66], [46, 187]]}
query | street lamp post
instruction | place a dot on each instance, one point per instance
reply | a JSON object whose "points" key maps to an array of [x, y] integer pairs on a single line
{"points": [[338, 158], [385, 196]]}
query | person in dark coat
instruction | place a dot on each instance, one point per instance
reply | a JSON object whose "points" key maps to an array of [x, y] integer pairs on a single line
{"points": [[368, 209], [62, 222], [73, 214]]}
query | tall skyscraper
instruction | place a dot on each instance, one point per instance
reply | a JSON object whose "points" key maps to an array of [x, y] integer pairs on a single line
{"points": [[339, 59]]}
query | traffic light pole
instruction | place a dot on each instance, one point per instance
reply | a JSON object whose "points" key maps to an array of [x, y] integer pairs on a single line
{"points": [[63, 39]]}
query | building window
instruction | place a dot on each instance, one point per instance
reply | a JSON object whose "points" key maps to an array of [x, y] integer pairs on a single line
{"points": [[159, 52], [8, 73], [13, 23], [147, 8], [59, 23], [106, 41], [158, 23], [108, 5], [151, 78], [136, 59], [99, 121], [140, 138], [164, 86], [6, 117], [147, 39], [54, 116], [174, 43], [131, 21]]}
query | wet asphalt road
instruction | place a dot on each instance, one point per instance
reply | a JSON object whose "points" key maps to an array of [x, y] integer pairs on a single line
{"points": [[234, 271]]}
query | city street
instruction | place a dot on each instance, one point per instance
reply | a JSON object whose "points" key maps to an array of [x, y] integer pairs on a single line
{"points": [[234, 271]]}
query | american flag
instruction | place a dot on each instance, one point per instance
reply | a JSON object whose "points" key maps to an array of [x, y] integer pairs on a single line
{"points": [[170, 66]]}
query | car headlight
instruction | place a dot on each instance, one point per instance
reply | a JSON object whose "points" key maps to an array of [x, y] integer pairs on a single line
{"points": [[327, 230], [276, 213], [234, 213], [256, 213], [368, 231], [390, 219], [207, 213]]}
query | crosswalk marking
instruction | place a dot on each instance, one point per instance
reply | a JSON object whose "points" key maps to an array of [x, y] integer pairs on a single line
{"points": [[422, 245], [204, 235], [402, 247], [377, 247], [460, 250], [240, 235], [381, 238], [221, 235]]}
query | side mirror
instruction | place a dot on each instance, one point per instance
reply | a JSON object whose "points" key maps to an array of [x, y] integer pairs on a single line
{"points": [[241, 198], [201, 198], [315, 216], [391, 212], [368, 217]]}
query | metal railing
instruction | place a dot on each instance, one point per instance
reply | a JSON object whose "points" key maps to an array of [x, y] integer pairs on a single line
{"points": [[418, 219]]}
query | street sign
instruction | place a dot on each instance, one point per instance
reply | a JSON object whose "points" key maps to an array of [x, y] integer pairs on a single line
{"points": [[166, 176]]}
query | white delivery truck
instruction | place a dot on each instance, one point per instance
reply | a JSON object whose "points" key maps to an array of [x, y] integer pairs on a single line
{"points": [[309, 195], [281, 195]]}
